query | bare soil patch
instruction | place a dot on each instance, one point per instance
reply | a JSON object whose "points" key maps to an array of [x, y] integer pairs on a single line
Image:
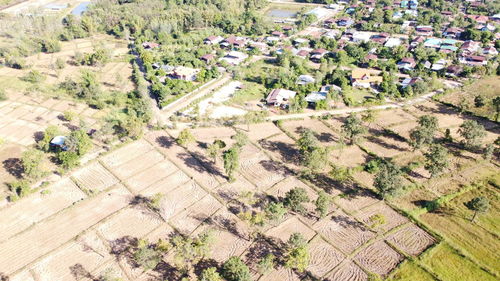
{"points": [[262, 171], [412, 240], [138, 164], [36, 207], [150, 175], [166, 184], [290, 226], [379, 258], [181, 198], [343, 231], [323, 257], [284, 274], [259, 131], [24, 248], [188, 220], [94, 178], [324, 134], [283, 148], [388, 118], [126, 153], [348, 272], [349, 156], [357, 201], [392, 218]]}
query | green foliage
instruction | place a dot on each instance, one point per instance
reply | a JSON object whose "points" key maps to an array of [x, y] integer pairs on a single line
{"points": [[234, 269], [188, 251], [341, 173], [3, 95], [266, 264], [68, 159], [473, 133], [60, 63], [78, 142], [353, 128], [489, 150], [317, 159], [20, 189], [388, 180], [214, 149], [424, 133], [231, 162], [297, 256], [377, 220], [436, 159], [48, 135], [372, 166], [322, 203], [307, 141], [69, 115], [478, 205], [34, 77], [275, 211], [185, 137], [210, 274], [31, 160], [294, 199], [155, 201], [240, 138], [146, 255]]}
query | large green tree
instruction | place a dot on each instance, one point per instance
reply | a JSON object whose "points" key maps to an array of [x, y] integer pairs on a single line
{"points": [[234, 269], [231, 162], [424, 133], [478, 205], [353, 128], [472, 132], [388, 180], [436, 159]]}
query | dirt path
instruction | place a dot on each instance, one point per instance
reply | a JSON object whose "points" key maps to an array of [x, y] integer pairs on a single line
{"points": [[352, 110]]}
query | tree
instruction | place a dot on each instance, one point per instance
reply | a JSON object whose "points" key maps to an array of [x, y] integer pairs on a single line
{"points": [[436, 159], [231, 162], [240, 138], [388, 180], [48, 135], [146, 255], [478, 205], [185, 137], [307, 141], [489, 150], [266, 264], [234, 269], [496, 104], [472, 132], [322, 203], [424, 133], [78, 142], [189, 251], [275, 211], [294, 199], [316, 159], [31, 160], [353, 128], [68, 159], [214, 149], [210, 274], [369, 117], [297, 256]]}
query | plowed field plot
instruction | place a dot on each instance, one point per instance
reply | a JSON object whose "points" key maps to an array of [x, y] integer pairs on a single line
{"points": [[350, 156], [403, 129], [9, 171], [290, 226], [193, 167], [280, 189], [36, 207], [364, 179], [283, 148], [20, 131], [110, 270], [259, 131], [71, 261], [392, 218], [151, 175], [126, 153], [141, 163], [348, 272], [233, 190], [166, 184], [188, 220], [385, 146], [94, 178], [412, 240], [262, 171], [321, 131], [181, 198], [388, 118], [282, 274], [227, 244], [379, 258], [24, 248], [210, 134], [323, 257], [133, 222], [357, 201], [446, 116], [343, 231]]}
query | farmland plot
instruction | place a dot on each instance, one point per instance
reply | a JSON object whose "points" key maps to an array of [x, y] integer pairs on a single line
{"points": [[94, 178], [392, 218], [379, 258], [412, 240], [324, 257], [348, 272]]}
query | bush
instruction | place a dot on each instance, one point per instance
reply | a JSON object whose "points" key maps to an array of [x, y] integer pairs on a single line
{"points": [[235, 270], [34, 76], [68, 159], [19, 188], [3, 95], [69, 115]]}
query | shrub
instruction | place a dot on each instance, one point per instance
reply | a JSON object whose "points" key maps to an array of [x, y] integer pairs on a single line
{"points": [[234, 269], [34, 76]]}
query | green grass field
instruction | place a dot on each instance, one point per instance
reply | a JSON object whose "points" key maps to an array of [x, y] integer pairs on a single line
{"points": [[410, 271], [448, 265]]}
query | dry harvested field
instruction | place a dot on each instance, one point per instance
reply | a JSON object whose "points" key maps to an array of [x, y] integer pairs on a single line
{"points": [[90, 219]]}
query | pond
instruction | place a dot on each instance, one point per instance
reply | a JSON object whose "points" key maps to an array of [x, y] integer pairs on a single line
{"points": [[278, 13], [80, 9]]}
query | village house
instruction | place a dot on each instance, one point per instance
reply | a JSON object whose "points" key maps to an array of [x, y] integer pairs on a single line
{"points": [[380, 38], [362, 78], [234, 42], [361, 36], [407, 64], [490, 51], [305, 79], [454, 70], [329, 22], [472, 60], [234, 57], [318, 54], [470, 47], [280, 97], [302, 53], [278, 34], [213, 40], [345, 22], [184, 73], [478, 18], [410, 81], [417, 41], [424, 30], [453, 32], [150, 45], [392, 42], [207, 58]]}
